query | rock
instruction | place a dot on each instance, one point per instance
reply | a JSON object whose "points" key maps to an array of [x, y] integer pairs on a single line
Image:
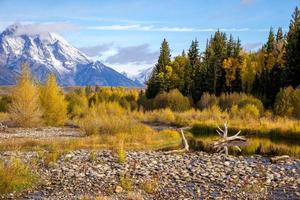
{"points": [[118, 189], [226, 163]]}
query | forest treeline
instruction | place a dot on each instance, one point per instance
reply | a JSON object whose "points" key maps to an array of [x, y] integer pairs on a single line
{"points": [[224, 67]]}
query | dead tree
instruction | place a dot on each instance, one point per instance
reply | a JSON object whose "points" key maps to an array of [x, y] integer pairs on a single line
{"points": [[232, 141], [184, 143]]}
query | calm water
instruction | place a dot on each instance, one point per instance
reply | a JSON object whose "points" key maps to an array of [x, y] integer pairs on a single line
{"points": [[255, 145]]}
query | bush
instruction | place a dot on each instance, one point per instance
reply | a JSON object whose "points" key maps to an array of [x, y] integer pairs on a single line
{"points": [[226, 101], [173, 100], [249, 111], [53, 103], [78, 103], [287, 102], [25, 110], [15, 177], [250, 100], [90, 123], [164, 116], [207, 101]]}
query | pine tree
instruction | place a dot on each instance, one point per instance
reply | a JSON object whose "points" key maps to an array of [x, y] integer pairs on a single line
{"points": [[213, 61], [25, 108], [293, 51], [53, 103], [193, 81], [156, 83]]}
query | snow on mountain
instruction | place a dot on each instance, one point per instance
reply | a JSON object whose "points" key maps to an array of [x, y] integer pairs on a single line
{"points": [[50, 53], [142, 76]]}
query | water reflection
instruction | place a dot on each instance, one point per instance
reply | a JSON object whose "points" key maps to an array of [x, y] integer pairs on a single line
{"points": [[255, 145]]}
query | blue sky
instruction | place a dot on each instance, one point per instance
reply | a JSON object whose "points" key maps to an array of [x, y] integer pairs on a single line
{"points": [[127, 34]]}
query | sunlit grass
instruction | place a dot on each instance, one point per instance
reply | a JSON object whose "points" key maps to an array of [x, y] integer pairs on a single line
{"points": [[15, 176], [141, 141]]}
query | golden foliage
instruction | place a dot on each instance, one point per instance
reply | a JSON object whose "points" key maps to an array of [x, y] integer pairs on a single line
{"points": [[25, 108], [53, 103]]}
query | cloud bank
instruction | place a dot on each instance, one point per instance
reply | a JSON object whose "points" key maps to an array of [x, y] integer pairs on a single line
{"points": [[134, 54], [33, 29]]}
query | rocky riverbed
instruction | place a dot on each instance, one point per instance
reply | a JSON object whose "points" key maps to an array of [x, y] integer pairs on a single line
{"points": [[195, 175]]}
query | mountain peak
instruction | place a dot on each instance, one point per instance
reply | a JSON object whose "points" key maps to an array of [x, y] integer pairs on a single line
{"points": [[12, 29], [47, 52]]}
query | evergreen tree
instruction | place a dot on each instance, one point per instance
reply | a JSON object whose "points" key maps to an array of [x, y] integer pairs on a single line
{"points": [[25, 108], [53, 103], [215, 54], [157, 82], [193, 85], [293, 50]]}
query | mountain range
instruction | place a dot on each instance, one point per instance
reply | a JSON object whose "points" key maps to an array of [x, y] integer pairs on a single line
{"points": [[47, 53]]}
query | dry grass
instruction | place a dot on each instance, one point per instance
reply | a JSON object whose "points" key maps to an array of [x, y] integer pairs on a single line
{"points": [[15, 176], [247, 121], [139, 141]]}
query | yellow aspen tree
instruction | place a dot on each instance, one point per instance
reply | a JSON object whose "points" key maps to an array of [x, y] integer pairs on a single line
{"points": [[25, 107], [53, 103]]}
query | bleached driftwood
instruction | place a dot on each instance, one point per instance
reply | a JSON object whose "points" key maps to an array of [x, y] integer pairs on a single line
{"points": [[279, 158], [233, 141], [184, 143]]}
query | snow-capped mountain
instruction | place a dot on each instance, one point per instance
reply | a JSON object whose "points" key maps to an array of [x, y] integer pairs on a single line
{"points": [[50, 53], [143, 75]]}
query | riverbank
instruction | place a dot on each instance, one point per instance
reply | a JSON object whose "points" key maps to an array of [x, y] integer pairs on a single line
{"points": [[89, 174]]}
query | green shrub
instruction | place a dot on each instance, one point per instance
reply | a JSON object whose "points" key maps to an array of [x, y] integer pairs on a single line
{"points": [[250, 100], [296, 103], [173, 100], [15, 177], [207, 101], [284, 102]]}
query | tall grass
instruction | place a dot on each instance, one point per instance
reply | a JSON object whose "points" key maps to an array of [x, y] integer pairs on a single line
{"points": [[15, 176]]}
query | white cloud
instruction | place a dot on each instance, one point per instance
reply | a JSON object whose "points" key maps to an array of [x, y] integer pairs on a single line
{"points": [[32, 29], [134, 54], [138, 27], [135, 27]]}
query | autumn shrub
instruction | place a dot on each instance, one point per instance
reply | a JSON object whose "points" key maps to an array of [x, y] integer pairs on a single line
{"points": [[173, 100], [250, 100], [249, 111], [207, 101], [287, 102], [226, 101], [53, 103], [78, 103], [90, 123], [25, 109], [164, 116], [15, 176]]}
